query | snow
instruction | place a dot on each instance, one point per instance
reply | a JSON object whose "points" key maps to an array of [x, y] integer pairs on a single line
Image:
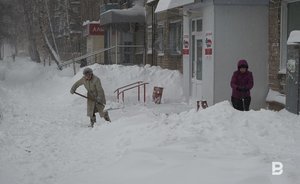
{"points": [[169, 4], [136, 10], [150, 1], [44, 136], [282, 71], [275, 96], [294, 38], [134, 14], [87, 22]]}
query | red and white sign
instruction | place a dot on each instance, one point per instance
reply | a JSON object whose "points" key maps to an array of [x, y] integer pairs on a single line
{"points": [[93, 29], [186, 45], [208, 49], [96, 29]]}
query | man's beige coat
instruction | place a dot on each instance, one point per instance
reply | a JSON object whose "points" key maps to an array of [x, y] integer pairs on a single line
{"points": [[94, 91]]}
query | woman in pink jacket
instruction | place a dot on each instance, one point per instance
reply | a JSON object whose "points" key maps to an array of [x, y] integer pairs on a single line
{"points": [[241, 84]]}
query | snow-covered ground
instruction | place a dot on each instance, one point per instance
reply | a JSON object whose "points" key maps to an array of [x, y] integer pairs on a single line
{"points": [[44, 138]]}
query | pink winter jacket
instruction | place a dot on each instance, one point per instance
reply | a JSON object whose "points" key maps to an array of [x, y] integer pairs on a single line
{"points": [[241, 80]]}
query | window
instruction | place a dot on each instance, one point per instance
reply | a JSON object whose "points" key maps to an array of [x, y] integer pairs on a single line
{"points": [[160, 39], [128, 54], [199, 25], [193, 26], [289, 22], [199, 60], [149, 40], [175, 37]]}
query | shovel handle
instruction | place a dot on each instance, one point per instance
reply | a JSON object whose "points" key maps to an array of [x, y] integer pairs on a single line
{"points": [[89, 98], [81, 95]]}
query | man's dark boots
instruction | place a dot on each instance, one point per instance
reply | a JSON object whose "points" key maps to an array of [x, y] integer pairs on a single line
{"points": [[106, 117], [93, 120]]}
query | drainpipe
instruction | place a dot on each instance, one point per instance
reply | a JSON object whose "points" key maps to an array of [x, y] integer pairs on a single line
{"points": [[153, 34], [116, 46]]}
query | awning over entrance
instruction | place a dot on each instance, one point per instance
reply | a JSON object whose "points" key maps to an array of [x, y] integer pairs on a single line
{"points": [[136, 14], [150, 1], [169, 4], [294, 38]]}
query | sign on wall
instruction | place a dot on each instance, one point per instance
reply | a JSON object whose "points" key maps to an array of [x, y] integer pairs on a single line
{"points": [[93, 29], [186, 45], [208, 46]]}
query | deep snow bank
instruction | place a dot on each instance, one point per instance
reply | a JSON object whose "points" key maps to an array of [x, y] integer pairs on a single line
{"points": [[115, 76]]}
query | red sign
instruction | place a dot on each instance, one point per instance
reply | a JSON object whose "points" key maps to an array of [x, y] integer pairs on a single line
{"points": [[186, 45], [208, 51], [185, 51], [95, 29]]}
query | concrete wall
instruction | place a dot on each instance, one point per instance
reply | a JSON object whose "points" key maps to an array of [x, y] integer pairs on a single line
{"points": [[241, 32], [208, 63], [95, 43]]}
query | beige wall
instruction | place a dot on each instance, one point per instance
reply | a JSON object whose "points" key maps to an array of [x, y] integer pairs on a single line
{"points": [[95, 43]]}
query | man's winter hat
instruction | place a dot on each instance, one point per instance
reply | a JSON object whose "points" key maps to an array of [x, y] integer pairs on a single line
{"points": [[87, 71], [242, 64]]}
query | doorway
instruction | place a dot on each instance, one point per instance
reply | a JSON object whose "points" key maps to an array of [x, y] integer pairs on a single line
{"points": [[197, 45]]}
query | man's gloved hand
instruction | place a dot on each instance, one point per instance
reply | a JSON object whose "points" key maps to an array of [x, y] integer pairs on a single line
{"points": [[72, 91], [242, 89]]}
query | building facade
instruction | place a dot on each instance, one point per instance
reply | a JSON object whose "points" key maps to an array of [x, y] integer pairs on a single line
{"points": [[164, 37], [283, 18], [204, 39], [124, 26]]}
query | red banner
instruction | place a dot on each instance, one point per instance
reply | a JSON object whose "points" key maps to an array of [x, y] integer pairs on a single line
{"points": [[96, 29]]}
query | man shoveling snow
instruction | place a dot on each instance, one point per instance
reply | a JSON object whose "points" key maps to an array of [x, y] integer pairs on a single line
{"points": [[95, 95]]}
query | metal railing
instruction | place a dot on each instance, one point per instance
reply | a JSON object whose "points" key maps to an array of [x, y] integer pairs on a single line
{"points": [[121, 54], [137, 85], [89, 58]]}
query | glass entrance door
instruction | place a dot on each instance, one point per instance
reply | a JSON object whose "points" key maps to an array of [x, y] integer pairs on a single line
{"points": [[197, 58], [197, 49]]}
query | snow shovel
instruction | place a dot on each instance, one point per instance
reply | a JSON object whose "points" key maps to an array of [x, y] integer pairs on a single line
{"points": [[109, 109]]}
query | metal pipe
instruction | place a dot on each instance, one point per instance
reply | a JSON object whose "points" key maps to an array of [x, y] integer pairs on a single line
{"points": [[145, 92], [116, 46], [118, 94], [138, 93], [117, 90], [74, 68]]}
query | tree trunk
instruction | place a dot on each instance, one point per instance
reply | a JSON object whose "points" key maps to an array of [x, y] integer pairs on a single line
{"points": [[52, 51], [50, 25], [28, 12], [45, 24]]}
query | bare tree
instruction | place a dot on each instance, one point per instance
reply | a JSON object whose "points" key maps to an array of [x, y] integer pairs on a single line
{"points": [[45, 25], [52, 28], [10, 20], [30, 12]]}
